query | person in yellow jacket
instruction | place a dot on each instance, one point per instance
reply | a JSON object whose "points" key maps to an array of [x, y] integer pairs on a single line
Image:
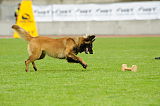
{"points": [[17, 12]]}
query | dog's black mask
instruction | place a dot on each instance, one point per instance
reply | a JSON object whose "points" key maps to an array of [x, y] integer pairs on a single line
{"points": [[87, 46]]}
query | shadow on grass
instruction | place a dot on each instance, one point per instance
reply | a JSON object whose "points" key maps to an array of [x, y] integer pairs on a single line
{"points": [[61, 70]]}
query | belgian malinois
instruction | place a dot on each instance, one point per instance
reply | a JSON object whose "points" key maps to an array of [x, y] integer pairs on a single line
{"points": [[62, 48]]}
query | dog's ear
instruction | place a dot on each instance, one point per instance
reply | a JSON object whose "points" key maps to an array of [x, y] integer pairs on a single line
{"points": [[91, 38]]}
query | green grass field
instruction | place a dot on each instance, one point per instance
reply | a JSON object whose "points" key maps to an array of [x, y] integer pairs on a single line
{"points": [[58, 83]]}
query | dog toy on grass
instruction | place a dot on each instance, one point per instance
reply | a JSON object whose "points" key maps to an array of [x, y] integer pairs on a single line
{"points": [[125, 68]]}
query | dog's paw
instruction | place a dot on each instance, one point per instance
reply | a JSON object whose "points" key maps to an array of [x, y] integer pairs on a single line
{"points": [[35, 68], [85, 66]]}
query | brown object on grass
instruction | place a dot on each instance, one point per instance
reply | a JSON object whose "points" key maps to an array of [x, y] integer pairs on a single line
{"points": [[125, 68]]}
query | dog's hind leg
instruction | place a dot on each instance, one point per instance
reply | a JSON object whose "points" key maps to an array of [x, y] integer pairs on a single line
{"points": [[34, 66], [34, 54], [31, 59], [41, 57], [27, 64]]}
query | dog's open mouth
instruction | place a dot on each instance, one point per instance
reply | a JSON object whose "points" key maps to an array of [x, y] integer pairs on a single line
{"points": [[86, 51]]}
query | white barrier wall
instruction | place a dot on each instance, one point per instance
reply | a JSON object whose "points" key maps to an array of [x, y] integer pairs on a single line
{"points": [[140, 27], [98, 12]]}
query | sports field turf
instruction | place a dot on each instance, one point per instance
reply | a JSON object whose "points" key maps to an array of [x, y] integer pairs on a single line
{"points": [[58, 83]]}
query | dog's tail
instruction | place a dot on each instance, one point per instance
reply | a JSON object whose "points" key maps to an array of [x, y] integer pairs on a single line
{"points": [[23, 33]]}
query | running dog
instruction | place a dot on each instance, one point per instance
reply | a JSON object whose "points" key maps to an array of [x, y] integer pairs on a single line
{"points": [[62, 48]]}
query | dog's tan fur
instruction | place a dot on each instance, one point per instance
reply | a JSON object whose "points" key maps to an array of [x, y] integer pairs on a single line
{"points": [[62, 48]]}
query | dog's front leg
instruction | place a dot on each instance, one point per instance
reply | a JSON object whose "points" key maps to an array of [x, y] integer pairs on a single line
{"points": [[71, 57]]}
